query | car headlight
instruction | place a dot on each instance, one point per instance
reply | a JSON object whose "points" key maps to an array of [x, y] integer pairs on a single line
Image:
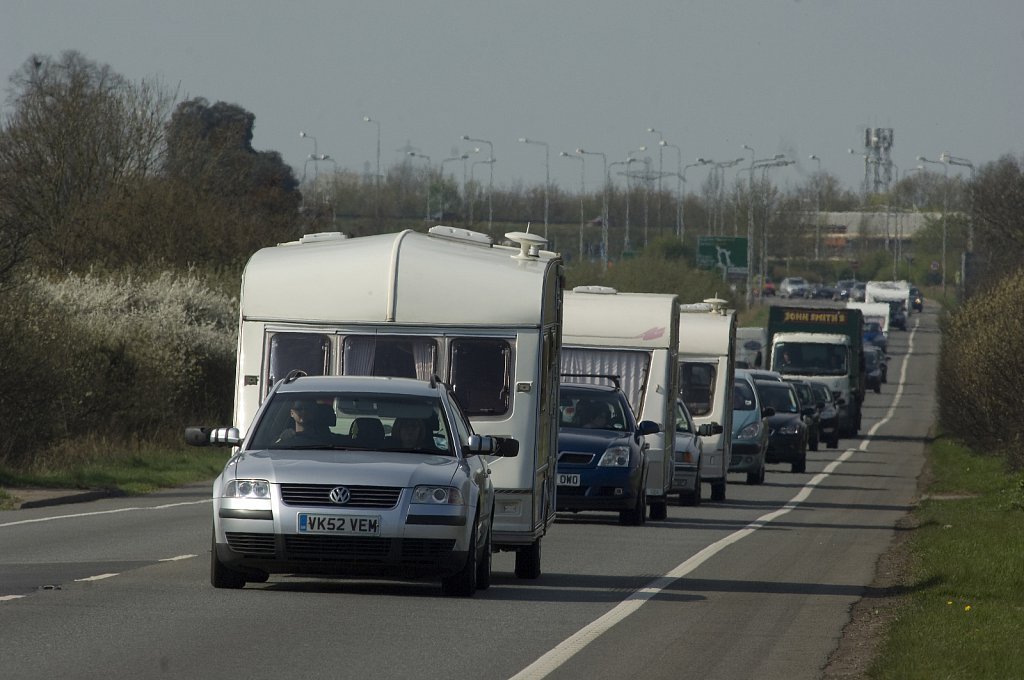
{"points": [[247, 488], [437, 495], [615, 456], [789, 428], [751, 431]]}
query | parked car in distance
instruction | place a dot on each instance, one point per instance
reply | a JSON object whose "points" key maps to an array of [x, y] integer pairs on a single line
{"points": [[842, 289], [750, 429], [793, 287], [875, 369], [828, 413], [768, 290], [809, 410], [602, 462], [916, 299], [822, 291], [355, 476], [787, 432]]}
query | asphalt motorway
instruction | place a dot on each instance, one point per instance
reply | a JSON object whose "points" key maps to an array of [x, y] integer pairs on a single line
{"points": [[757, 586]]}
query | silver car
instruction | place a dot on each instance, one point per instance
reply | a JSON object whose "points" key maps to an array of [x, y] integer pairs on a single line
{"points": [[356, 477]]}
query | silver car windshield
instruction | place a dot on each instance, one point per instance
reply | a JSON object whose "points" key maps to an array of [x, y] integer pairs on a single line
{"points": [[367, 422]]}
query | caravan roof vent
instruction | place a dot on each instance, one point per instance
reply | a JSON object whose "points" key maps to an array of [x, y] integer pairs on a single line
{"points": [[717, 303], [323, 236], [457, 234], [595, 290], [529, 244]]}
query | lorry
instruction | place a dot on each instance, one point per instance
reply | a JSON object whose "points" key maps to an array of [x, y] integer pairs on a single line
{"points": [[707, 348], [634, 337], [822, 344], [449, 304]]}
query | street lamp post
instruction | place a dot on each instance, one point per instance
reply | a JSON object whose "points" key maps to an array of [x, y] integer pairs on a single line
{"points": [[644, 176], [472, 167], [490, 183], [682, 177], [945, 207], [427, 183], [583, 190], [376, 178], [604, 206], [625, 239], [817, 209], [440, 196], [547, 175], [750, 227], [777, 162], [953, 160], [679, 187], [661, 149], [303, 133]]}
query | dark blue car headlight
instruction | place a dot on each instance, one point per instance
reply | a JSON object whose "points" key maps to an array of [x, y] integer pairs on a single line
{"points": [[615, 456]]}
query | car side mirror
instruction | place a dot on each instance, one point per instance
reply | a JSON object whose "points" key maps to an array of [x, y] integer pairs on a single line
{"points": [[505, 447], [767, 412], [709, 429], [646, 427], [212, 436], [810, 411]]}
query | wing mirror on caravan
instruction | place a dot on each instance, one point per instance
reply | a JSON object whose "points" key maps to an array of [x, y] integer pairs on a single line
{"points": [[709, 429], [212, 436], [648, 427], [506, 447]]}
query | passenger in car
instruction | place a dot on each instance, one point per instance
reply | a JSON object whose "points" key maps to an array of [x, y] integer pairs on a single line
{"points": [[311, 423], [411, 433]]}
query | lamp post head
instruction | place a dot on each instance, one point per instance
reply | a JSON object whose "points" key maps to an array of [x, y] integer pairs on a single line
{"points": [[367, 119], [465, 137], [748, 148], [524, 140], [302, 133], [813, 157]]}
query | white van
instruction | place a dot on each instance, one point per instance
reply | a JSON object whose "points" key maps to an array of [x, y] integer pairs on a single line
{"points": [[634, 336], [484, 318], [707, 349]]}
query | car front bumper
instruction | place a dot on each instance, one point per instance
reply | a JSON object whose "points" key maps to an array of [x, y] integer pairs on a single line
{"points": [[785, 448], [600, 489], [746, 457]]}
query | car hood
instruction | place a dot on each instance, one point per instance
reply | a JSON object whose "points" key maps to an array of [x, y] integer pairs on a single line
{"points": [[740, 419], [590, 441], [780, 419], [375, 468]]}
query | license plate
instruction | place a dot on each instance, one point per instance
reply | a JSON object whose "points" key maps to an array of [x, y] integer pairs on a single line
{"points": [[339, 524], [568, 480]]}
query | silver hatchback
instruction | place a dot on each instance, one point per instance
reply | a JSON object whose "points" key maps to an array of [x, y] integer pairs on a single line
{"points": [[355, 477]]}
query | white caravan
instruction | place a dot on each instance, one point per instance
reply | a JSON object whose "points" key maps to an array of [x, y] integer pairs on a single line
{"points": [[888, 291], [634, 336], [485, 318], [707, 339]]}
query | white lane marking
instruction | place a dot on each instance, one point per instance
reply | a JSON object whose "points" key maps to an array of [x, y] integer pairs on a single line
{"points": [[104, 512], [6, 598], [569, 647], [98, 577], [176, 558]]}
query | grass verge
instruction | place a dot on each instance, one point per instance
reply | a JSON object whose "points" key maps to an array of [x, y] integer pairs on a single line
{"points": [[964, 593]]}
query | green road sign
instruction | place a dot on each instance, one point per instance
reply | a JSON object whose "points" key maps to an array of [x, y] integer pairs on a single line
{"points": [[725, 254]]}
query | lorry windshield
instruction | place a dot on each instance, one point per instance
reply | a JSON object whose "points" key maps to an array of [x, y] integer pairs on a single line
{"points": [[809, 358]]}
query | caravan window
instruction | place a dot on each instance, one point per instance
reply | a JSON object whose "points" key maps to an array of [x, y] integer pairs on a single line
{"points": [[631, 367], [394, 357], [697, 381], [309, 352], [481, 375]]}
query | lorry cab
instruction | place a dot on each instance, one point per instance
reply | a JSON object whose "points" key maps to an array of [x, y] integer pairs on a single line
{"points": [[635, 337], [484, 318], [707, 339]]}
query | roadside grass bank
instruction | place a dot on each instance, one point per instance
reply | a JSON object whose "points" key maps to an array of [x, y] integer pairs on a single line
{"points": [[126, 470], [962, 599]]}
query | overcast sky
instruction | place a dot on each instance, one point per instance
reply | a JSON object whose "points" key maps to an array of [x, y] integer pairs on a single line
{"points": [[781, 76]]}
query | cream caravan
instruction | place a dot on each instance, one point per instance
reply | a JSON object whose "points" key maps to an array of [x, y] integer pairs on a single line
{"points": [[634, 336], [707, 339], [484, 318]]}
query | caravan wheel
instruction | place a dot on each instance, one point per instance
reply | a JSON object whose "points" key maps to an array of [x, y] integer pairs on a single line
{"points": [[528, 561]]}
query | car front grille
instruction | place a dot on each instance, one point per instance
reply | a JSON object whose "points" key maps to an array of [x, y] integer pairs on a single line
{"points": [[367, 549], [319, 495], [251, 545], [575, 458]]}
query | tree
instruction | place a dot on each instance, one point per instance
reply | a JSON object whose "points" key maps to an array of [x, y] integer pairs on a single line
{"points": [[998, 212], [77, 135]]}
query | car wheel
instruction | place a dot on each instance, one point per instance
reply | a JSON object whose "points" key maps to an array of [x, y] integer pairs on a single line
{"points": [[659, 510], [220, 575], [483, 567], [718, 491], [813, 443], [692, 497], [528, 561], [754, 477], [637, 515], [834, 442], [800, 465], [877, 389], [463, 582]]}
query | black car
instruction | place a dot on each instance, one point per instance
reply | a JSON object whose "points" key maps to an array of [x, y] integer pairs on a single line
{"points": [[828, 413], [823, 291], [809, 411], [601, 452], [875, 369], [842, 289], [787, 432]]}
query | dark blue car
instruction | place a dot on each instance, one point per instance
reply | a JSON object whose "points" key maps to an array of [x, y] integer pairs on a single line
{"points": [[602, 463]]}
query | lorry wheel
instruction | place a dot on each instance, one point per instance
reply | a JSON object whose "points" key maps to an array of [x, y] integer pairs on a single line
{"points": [[528, 561], [718, 491]]}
